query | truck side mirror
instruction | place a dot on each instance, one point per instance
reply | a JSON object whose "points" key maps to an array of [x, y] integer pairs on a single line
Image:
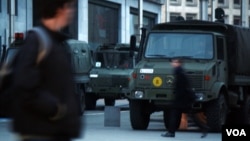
{"points": [[132, 45]]}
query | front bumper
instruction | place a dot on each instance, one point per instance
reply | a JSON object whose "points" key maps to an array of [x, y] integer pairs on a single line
{"points": [[164, 94]]}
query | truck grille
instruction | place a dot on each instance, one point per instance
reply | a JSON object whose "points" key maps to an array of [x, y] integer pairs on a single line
{"points": [[114, 81], [196, 81]]}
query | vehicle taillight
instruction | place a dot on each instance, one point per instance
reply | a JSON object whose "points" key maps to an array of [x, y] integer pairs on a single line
{"points": [[207, 77], [134, 75], [19, 36]]}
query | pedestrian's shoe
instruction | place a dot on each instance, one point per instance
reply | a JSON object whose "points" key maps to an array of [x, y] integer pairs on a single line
{"points": [[204, 131], [168, 134]]}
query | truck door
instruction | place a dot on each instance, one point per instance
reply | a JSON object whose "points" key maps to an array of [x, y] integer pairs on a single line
{"points": [[221, 64]]}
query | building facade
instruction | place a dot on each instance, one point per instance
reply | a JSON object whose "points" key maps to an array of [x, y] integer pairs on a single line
{"points": [[114, 21], [190, 9], [96, 21], [22, 18]]}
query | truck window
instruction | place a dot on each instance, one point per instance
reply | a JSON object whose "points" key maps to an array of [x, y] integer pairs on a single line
{"points": [[220, 48], [170, 45], [114, 59]]}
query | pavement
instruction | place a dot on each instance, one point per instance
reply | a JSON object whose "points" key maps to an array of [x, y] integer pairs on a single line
{"points": [[94, 128]]}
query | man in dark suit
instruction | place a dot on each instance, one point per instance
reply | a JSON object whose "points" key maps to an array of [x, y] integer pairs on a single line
{"points": [[184, 98]]}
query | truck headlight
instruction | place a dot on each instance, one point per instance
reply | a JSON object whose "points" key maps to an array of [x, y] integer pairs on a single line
{"points": [[89, 89], [199, 96], [93, 75], [139, 94]]}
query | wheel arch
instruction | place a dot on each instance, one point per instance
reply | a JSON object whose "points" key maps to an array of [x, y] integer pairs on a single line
{"points": [[219, 88]]}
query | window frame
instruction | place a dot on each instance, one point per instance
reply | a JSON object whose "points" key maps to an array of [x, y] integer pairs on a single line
{"points": [[9, 7]]}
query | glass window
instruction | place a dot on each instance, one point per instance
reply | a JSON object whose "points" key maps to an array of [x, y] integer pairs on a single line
{"points": [[220, 48], [210, 18], [148, 23], [9, 6], [0, 5], [221, 1], [103, 24], [114, 59], [173, 16], [171, 45], [191, 1], [237, 2], [237, 20], [191, 16]]}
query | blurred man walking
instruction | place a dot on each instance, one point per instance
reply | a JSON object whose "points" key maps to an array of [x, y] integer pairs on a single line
{"points": [[46, 107]]}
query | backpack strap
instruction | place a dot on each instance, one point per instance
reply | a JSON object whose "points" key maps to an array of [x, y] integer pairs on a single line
{"points": [[44, 43]]}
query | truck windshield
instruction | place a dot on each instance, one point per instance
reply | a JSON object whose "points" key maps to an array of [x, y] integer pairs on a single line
{"points": [[171, 45], [114, 59]]}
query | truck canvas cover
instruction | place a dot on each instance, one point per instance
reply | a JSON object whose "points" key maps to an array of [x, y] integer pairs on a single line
{"points": [[237, 38]]}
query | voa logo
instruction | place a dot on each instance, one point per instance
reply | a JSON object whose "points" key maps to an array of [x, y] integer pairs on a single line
{"points": [[236, 132]]}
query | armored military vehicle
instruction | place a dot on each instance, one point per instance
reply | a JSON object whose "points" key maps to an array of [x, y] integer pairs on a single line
{"points": [[110, 77], [216, 59]]}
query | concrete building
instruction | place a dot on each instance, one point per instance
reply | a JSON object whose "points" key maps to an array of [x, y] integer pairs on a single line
{"points": [[22, 18], [96, 21], [190, 9], [114, 21]]}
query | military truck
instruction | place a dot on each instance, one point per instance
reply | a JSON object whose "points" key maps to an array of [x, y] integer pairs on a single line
{"points": [[110, 77], [216, 59]]}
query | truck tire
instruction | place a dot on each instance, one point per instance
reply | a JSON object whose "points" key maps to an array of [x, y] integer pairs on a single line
{"points": [[81, 96], [139, 118], [166, 120], [109, 101], [216, 113], [82, 102], [90, 101]]}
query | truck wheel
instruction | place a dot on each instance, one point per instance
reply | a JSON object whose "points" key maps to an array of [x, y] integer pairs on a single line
{"points": [[82, 102], [81, 96], [139, 118], [166, 115], [216, 113], [109, 102], [90, 101]]}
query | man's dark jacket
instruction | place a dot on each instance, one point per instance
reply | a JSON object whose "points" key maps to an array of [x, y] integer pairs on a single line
{"points": [[184, 96], [40, 89]]}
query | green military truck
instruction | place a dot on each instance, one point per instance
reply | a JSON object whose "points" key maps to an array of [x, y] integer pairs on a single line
{"points": [[216, 57], [111, 75]]}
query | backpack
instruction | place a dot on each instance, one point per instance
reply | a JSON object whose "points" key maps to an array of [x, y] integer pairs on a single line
{"points": [[6, 70]]}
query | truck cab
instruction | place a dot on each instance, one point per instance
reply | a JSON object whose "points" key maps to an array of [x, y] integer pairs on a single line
{"points": [[111, 75], [205, 49]]}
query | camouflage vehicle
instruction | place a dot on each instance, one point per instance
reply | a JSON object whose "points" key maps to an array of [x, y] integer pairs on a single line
{"points": [[110, 78], [216, 59]]}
